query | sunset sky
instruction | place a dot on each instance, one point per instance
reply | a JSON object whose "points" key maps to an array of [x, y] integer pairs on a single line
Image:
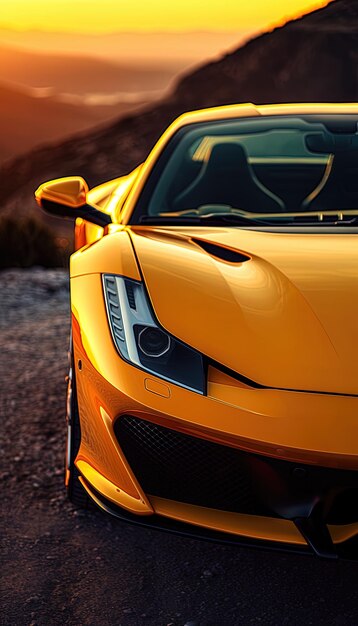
{"points": [[101, 16]]}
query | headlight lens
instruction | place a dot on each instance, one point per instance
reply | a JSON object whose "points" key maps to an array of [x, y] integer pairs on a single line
{"points": [[141, 341], [153, 342]]}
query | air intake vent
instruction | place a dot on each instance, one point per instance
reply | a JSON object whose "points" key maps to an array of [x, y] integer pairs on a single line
{"points": [[221, 252], [180, 467], [114, 308], [130, 294]]}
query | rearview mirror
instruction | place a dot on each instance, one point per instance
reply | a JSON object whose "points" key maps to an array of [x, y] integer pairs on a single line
{"points": [[324, 143], [67, 197]]}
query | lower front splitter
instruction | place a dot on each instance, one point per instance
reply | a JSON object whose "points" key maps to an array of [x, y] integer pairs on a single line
{"points": [[347, 550]]}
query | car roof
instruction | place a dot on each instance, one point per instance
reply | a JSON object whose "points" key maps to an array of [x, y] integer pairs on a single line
{"points": [[252, 110], [237, 111]]}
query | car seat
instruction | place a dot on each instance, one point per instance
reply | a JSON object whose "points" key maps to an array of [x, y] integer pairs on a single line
{"points": [[227, 178]]}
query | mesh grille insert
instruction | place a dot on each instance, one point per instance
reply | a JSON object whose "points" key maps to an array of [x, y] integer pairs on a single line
{"points": [[176, 466], [180, 467]]}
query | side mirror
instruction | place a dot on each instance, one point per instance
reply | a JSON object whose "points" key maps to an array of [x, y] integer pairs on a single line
{"points": [[67, 197]]}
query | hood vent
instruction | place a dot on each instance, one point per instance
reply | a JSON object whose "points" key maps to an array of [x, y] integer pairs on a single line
{"points": [[221, 252]]}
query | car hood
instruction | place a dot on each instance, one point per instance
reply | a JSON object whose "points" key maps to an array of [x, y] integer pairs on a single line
{"points": [[283, 315]]}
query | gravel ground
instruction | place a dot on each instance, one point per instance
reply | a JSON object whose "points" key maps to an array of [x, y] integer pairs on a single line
{"points": [[64, 566]]}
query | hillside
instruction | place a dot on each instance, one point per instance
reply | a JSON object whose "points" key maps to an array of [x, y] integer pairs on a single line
{"points": [[314, 58], [27, 121], [75, 74], [144, 48], [48, 97]]}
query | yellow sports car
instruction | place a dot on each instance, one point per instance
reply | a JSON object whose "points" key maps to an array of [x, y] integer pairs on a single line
{"points": [[213, 385]]}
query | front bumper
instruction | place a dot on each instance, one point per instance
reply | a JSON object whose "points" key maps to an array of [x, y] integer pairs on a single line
{"points": [[347, 549], [298, 451]]}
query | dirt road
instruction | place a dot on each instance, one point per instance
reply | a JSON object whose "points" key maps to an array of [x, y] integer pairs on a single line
{"points": [[63, 566]]}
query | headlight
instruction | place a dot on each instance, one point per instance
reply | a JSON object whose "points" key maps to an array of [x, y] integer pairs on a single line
{"points": [[141, 341]]}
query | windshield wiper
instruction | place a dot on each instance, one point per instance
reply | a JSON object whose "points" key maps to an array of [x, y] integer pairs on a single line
{"points": [[339, 218], [326, 219], [192, 220], [236, 219], [169, 221]]}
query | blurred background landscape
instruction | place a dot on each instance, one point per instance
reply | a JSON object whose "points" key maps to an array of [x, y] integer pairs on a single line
{"points": [[55, 84], [91, 98]]}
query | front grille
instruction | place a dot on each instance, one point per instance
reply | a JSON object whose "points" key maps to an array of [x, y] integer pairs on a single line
{"points": [[177, 466], [180, 467]]}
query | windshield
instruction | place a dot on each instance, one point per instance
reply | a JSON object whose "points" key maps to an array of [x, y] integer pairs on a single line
{"points": [[264, 170]]}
